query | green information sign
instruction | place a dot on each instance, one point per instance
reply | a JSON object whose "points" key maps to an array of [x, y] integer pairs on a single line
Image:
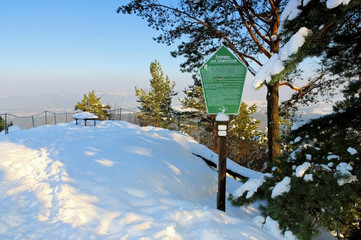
{"points": [[223, 77]]}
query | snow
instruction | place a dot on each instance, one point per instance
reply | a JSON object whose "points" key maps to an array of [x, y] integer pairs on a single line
{"points": [[324, 167], [292, 46], [308, 177], [259, 220], [11, 129], [291, 10], [251, 186], [297, 139], [352, 151], [332, 156], [115, 181], [273, 226], [281, 187], [84, 115], [293, 155], [344, 169], [181, 109], [264, 74], [274, 65], [297, 125], [335, 3], [300, 170], [222, 117], [289, 236]]}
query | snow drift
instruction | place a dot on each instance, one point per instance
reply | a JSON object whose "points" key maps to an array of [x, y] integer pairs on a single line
{"points": [[114, 181]]}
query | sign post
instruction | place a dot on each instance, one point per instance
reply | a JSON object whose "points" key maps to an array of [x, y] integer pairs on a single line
{"points": [[222, 128], [223, 77]]}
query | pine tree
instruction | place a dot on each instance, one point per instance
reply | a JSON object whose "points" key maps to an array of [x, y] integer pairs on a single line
{"points": [[323, 159], [196, 122], [324, 170], [2, 124], [335, 39], [91, 103], [194, 99], [155, 105], [249, 28], [246, 143]]}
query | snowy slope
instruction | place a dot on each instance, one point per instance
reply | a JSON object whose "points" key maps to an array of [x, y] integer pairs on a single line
{"points": [[114, 181]]}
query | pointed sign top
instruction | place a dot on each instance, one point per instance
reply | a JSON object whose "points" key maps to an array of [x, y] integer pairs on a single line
{"points": [[223, 77]]}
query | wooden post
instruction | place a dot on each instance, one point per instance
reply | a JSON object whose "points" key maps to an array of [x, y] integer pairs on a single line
{"points": [[55, 118], [222, 119], [46, 119], [222, 167]]}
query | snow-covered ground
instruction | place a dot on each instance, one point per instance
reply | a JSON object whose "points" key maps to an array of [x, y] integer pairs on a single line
{"points": [[115, 181]]}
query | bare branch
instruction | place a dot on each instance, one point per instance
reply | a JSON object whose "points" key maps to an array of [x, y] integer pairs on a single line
{"points": [[298, 89], [263, 19], [249, 29], [232, 46], [303, 90], [256, 27]]}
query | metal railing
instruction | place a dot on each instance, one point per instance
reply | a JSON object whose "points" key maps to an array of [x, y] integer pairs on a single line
{"points": [[49, 117]]}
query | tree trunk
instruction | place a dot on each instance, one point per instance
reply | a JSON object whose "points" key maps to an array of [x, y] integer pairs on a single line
{"points": [[273, 124]]}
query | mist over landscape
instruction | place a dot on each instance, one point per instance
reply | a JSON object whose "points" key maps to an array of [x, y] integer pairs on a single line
{"points": [[63, 103]]}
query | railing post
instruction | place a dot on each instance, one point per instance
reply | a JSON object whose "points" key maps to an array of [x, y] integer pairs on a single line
{"points": [[32, 118], [178, 122], [6, 124], [46, 119], [198, 131], [120, 114], [55, 118]]}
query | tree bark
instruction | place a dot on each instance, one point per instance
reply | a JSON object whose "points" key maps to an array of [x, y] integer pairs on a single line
{"points": [[273, 123]]}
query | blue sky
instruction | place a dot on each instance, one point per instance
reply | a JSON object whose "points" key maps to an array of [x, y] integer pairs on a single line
{"points": [[79, 45]]}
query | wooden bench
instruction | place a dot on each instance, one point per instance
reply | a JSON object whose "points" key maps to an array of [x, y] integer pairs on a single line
{"points": [[85, 116]]}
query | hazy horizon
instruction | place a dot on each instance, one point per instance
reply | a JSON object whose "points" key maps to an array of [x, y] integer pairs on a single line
{"points": [[77, 46]]}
